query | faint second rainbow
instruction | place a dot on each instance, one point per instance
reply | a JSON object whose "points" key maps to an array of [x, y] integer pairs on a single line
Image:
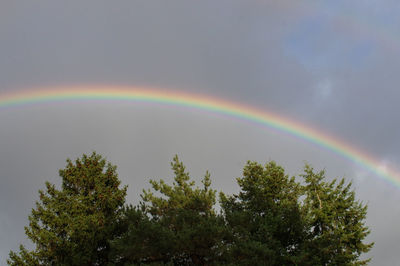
{"points": [[135, 94]]}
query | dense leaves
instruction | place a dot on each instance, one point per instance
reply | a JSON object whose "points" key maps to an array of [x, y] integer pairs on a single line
{"points": [[178, 226], [278, 221], [335, 222], [274, 219], [265, 217], [72, 226]]}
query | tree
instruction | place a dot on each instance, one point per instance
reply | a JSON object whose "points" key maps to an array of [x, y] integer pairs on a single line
{"points": [[335, 222], [265, 217], [177, 226], [276, 220], [73, 225]]}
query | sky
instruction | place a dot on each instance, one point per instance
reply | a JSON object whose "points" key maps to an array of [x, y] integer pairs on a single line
{"points": [[329, 65]]}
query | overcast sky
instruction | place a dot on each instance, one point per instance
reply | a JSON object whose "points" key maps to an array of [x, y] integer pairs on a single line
{"points": [[333, 65]]}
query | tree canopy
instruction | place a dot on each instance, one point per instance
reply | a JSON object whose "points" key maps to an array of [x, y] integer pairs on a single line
{"points": [[73, 225], [274, 219], [281, 221]]}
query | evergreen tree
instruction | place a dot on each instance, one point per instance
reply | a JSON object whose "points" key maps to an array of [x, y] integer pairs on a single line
{"points": [[273, 220], [177, 225], [335, 222], [265, 217], [276, 220], [72, 226]]}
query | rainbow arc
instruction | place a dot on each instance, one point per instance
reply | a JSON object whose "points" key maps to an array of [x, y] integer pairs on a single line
{"points": [[236, 110]]}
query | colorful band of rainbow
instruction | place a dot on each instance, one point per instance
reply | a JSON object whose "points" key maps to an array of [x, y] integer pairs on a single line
{"points": [[134, 94]]}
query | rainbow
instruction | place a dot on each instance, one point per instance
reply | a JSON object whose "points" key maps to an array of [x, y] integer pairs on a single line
{"points": [[149, 95]]}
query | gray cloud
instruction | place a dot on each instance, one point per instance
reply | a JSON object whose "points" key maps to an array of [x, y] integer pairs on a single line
{"points": [[330, 65]]}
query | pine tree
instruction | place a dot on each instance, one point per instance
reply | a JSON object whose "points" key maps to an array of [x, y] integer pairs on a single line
{"points": [[265, 217], [335, 222], [173, 224], [273, 220], [276, 220], [73, 225]]}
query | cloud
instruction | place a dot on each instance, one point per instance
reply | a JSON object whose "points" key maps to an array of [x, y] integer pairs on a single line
{"points": [[323, 90], [333, 65]]}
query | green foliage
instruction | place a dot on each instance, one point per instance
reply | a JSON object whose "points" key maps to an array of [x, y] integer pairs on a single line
{"points": [[278, 221], [273, 220], [178, 226], [265, 216], [335, 222], [72, 226]]}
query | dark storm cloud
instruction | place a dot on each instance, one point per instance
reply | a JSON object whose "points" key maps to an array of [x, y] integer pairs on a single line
{"points": [[331, 65]]}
